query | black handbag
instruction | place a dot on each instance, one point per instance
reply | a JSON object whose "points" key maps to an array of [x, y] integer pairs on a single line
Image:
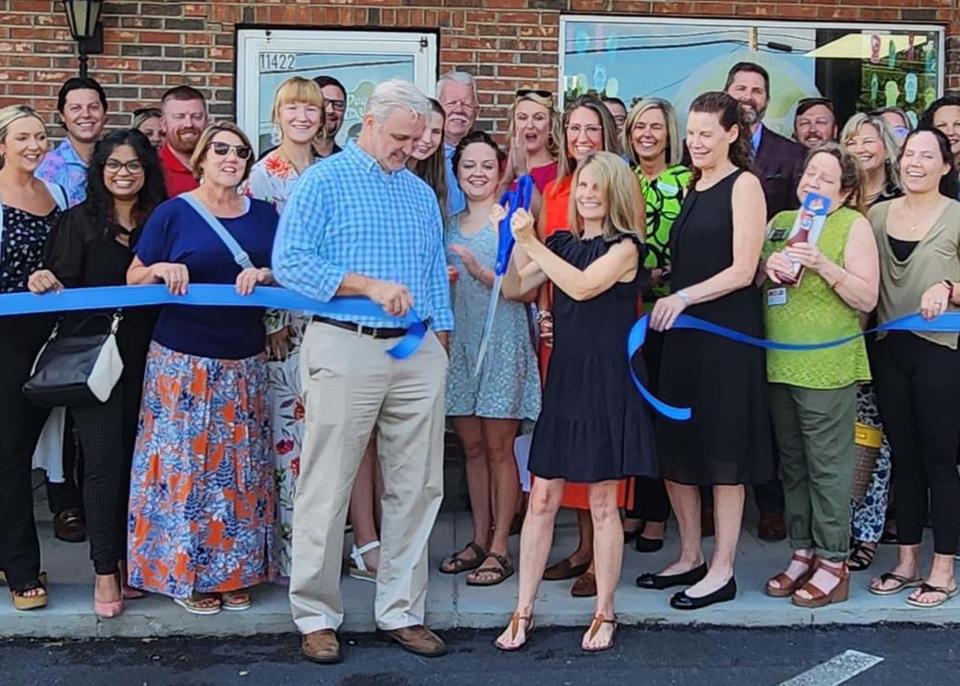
{"points": [[76, 369]]}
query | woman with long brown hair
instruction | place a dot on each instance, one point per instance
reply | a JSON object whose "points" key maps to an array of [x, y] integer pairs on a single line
{"points": [[715, 244]]}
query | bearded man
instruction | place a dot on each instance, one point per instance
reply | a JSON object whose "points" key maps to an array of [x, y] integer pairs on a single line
{"points": [[778, 161], [184, 117]]}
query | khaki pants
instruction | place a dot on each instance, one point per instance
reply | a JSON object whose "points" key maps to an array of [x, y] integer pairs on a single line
{"points": [[814, 430], [351, 386]]}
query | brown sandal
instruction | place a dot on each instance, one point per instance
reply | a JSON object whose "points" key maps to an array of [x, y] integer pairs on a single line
{"points": [[456, 564], [785, 585], [514, 625], [595, 625], [819, 598], [501, 573]]}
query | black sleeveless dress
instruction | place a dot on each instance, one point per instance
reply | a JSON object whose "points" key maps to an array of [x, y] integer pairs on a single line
{"points": [[594, 426], [728, 439]]}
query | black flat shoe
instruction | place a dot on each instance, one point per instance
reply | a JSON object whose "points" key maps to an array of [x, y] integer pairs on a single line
{"points": [[681, 601], [647, 545], [658, 582]]}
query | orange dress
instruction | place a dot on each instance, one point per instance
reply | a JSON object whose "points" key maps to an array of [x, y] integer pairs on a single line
{"points": [[556, 205]]}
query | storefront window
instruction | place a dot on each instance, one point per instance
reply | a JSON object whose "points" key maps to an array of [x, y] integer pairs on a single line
{"points": [[861, 67], [358, 59]]}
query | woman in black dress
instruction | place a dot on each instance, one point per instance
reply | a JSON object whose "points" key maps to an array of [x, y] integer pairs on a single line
{"points": [[716, 244], [593, 427], [92, 246]]}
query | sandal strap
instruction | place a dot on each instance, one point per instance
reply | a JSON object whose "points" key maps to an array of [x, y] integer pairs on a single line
{"points": [[797, 557], [515, 620], [838, 572], [597, 623], [890, 576], [927, 588], [356, 554], [502, 560], [31, 585]]}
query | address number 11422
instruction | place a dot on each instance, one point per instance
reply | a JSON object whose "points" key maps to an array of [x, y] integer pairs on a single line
{"points": [[277, 61]]}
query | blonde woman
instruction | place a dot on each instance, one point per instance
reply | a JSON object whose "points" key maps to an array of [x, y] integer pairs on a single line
{"points": [[298, 114], [535, 134], [870, 139], [652, 142], [30, 208], [594, 428]]}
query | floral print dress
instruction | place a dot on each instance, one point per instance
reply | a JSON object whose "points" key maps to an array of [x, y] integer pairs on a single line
{"points": [[272, 179]]}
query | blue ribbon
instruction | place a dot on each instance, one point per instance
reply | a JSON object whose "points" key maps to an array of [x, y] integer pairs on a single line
{"points": [[219, 295], [513, 200], [948, 322]]}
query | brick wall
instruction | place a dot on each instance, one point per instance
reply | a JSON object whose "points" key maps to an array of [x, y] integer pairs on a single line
{"points": [[152, 45]]}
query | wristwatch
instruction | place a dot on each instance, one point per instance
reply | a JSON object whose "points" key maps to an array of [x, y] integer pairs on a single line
{"points": [[684, 296]]}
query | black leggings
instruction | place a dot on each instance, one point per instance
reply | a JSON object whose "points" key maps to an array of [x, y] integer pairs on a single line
{"points": [[20, 426], [107, 436], [918, 393]]}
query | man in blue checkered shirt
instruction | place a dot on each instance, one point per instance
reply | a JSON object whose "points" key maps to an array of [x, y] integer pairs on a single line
{"points": [[360, 223]]}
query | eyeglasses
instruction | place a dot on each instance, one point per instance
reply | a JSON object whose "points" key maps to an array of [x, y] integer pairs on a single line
{"points": [[222, 150], [592, 131], [132, 166], [524, 92], [335, 105]]}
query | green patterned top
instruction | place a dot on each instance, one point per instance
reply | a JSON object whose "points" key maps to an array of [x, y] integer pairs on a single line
{"points": [[664, 197], [813, 313]]}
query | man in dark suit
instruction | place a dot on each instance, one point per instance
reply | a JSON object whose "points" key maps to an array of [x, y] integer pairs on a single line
{"points": [[778, 161]]}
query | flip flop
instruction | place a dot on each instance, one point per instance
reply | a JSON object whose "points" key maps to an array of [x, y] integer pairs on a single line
{"points": [[948, 594], [902, 583]]}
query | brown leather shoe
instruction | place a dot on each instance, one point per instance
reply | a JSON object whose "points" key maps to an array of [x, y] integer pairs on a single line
{"points": [[321, 646], [772, 527], [418, 640], [585, 586]]}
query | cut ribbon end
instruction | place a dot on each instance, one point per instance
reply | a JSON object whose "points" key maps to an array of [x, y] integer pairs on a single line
{"points": [[635, 341]]}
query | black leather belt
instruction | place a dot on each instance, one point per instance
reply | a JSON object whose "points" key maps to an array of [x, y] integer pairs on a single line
{"points": [[373, 332]]}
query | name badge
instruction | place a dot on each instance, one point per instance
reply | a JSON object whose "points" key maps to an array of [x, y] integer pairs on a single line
{"points": [[776, 297], [778, 234]]}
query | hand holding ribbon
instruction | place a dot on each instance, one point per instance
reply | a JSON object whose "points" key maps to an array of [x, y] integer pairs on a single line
{"points": [[502, 214]]}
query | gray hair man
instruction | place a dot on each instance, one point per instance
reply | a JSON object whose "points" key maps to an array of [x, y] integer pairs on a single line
{"points": [[457, 93], [362, 224]]}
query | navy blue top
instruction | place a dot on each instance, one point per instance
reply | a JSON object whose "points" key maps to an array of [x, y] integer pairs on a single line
{"points": [[176, 233]]}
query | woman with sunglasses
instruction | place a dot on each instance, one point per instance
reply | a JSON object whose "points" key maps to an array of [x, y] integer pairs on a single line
{"points": [[535, 134], [586, 127], [298, 115], [92, 245], [202, 491]]}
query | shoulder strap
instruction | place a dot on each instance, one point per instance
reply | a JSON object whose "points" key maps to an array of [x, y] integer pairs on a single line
{"points": [[58, 194], [239, 255]]}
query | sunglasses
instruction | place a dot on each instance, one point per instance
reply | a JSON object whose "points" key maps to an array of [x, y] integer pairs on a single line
{"points": [[524, 92], [223, 149]]}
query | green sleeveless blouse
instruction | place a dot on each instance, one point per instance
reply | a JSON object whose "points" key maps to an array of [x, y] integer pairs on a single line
{"points": [[813, 313]]}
